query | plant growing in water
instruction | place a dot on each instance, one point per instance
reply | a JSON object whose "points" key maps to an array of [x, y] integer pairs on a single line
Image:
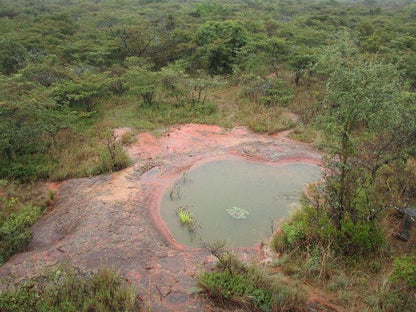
{"points": [[176, 190], [184, 176], [237, 212], [186, 218]]}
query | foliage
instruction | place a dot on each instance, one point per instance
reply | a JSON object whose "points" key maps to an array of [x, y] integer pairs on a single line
{"points": [[68, 68], [142, 82], [312, 226], [368, 120], [72, 291], [15, 231], [83, 92], [269, 92], [249, 287], [405, 270], [186, 218], [12, 56], [219, 44]]}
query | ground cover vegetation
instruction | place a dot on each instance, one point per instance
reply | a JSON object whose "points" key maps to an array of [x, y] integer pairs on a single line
{"points": [[72, 71], [68, 290]]}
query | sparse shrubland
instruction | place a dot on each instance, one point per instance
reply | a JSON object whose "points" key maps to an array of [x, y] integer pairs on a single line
{"points": [[72, 72]]}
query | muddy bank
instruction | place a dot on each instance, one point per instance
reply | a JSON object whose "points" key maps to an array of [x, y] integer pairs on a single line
{"points": [[114, 220]]}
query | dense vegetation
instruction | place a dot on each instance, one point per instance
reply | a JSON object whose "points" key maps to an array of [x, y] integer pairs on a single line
{"points": [[70, 291], [72, 71]]}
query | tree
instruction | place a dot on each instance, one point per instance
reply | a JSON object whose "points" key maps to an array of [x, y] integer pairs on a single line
{"points": [[370, 122], [301, 60], [219, 44], [83, 92], [28, 121], [141, 80]]}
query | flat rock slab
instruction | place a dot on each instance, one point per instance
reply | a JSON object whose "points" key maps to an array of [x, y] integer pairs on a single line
{"points": [[111, 220]]}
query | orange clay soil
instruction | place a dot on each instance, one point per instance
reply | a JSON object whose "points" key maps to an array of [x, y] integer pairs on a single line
{"points": [[113, 220]]}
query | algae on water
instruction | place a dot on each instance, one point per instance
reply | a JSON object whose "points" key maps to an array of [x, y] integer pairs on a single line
{"points": [[237, 212]]}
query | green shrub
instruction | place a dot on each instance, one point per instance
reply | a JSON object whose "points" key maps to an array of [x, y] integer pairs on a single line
{"points": [[405, 270], [360, 239], [277, 92], [249, 287], [225, 287], [311, 227], [24, 168], [15, 233], [285, 297], [112, 158], [71, 292], [269, 92]]}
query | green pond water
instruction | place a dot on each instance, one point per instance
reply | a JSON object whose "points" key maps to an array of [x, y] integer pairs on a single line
{"points": [[235, 200]]}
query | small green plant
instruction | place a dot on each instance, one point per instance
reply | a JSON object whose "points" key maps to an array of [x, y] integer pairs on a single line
{"points": [[186, 218]]}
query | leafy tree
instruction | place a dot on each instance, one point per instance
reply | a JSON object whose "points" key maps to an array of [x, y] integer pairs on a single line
{"points": [[219, 44], [142, 81], [370, 123], [29, 123], [83, 92], [301, 61]]}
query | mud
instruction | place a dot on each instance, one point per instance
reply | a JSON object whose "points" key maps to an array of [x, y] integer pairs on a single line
{"points": [[113, 220]]}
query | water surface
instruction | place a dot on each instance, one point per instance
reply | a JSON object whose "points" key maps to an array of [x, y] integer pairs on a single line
{"points": [[268, 193]]}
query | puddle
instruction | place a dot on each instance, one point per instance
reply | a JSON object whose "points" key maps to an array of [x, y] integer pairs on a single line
{"points": [[235, 200]]}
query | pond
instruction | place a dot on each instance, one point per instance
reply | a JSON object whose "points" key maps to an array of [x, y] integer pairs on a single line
{"points": [[236, 201]]}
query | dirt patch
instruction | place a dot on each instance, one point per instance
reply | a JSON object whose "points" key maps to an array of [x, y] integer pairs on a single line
{"points": [[114, 219]]}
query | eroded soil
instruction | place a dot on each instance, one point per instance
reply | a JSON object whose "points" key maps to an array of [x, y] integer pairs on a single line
{"points": [[114, 219]]}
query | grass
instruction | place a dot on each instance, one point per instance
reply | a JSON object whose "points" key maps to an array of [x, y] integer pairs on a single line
{"points": [[127, 111], [304, 134], [263, 119], [78, 154], [248, 287], [70, 291], [369, 281]]}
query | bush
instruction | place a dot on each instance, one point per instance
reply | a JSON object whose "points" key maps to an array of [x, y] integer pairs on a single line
{"points": [[360, 239], [405, 270], [68, 291], [269, 92], [24, 168], [308, 226], [312, 227], [229, 288], [15, 233], [249, 287]]}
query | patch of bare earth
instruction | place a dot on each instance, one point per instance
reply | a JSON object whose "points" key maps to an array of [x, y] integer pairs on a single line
{"points": [[113, 220]]}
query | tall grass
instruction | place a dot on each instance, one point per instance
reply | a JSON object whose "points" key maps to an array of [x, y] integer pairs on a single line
{"points": [[77, 154], [249, 287], [71, 291]]}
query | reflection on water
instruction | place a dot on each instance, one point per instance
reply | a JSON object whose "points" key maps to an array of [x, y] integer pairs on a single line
{"points": [[219, 193]]}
